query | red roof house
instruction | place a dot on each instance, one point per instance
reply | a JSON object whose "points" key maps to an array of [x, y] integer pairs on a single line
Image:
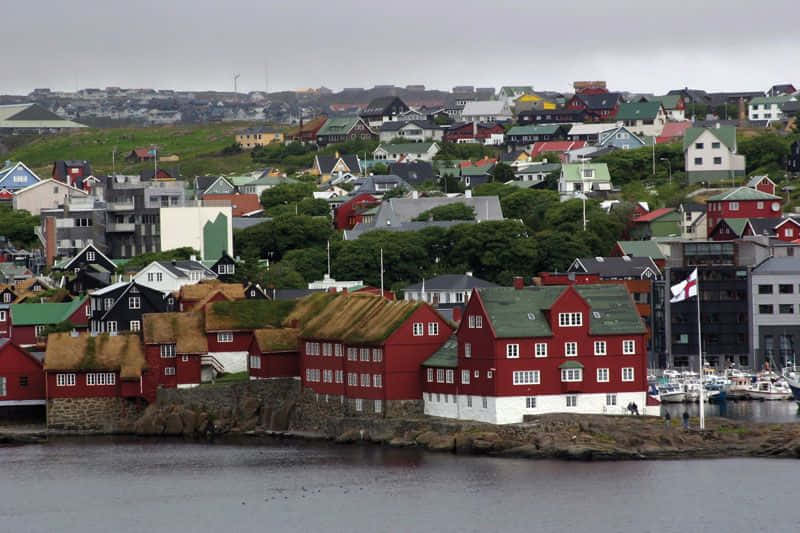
{"points": [[241, 204], [21, 377], [559, 147]]}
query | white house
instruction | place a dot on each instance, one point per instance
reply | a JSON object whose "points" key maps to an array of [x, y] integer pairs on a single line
{"points": [[580, 178], [767, 107], [412, 131], [445, 289], [170, 276], [406, 152], [710, 154], [487, 111], [45, 194]]}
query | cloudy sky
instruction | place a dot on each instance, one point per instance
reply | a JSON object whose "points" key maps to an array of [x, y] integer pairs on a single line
{"points": [[199, 44]]}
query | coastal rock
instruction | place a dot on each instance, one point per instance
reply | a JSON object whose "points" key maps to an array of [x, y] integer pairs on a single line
{"points": [[173, 425], [350, 436], [189, 421], [426, 437], [248, 425], [401, 442], [442, 443], [463, 443], [248, 407]]}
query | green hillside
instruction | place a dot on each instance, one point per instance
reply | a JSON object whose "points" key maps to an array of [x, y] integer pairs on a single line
{"points": [[199, 148]]}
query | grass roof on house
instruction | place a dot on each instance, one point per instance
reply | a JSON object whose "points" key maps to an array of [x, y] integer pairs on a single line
{"points": [[121, 353], [185, 330], [307, 308], [276, 339], [359, 318], [200, 291], [246, 314]]}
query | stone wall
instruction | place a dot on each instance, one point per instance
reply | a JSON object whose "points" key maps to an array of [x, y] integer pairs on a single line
{"points": [[96, 415]]}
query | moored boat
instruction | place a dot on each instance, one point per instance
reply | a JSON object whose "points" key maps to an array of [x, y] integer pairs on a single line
{"points": [[770, 390]]}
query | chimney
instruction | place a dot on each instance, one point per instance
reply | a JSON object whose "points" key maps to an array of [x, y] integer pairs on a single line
{"points": [[457, 314], [468, 193], [474, 129], [519, 282], [50, 240]]}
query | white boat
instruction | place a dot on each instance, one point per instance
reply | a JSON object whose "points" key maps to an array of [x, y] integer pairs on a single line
{"points": [[739, 387], [770, 390], [671, 393]]}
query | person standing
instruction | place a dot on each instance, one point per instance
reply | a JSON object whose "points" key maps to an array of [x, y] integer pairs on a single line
{"points": [[686, 420], [667, 420]]}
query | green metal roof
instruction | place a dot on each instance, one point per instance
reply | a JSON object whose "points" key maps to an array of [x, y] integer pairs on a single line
{"points": [[43, 313], [743, 194], [641, 249], [572, 171], [780, 99], [725, 134], [545, 129], [240, 180], [475, 170], [338, 125], [737, 225], [406, 148], [570, 364], [669, 101], [638, 111], [520, 313], [446, 356]]}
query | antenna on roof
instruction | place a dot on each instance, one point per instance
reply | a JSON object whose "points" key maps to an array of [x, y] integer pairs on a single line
{"points": [[382, 295]]}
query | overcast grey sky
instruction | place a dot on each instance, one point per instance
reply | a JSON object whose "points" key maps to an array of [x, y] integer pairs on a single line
{"points": [[198, 44]]}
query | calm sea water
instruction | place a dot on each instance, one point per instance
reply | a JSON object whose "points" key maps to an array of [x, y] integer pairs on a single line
{"points": [[124, 485], [756, 411]]}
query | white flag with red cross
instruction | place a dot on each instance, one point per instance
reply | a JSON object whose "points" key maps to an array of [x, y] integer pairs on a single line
{"points": [[685, 289]]}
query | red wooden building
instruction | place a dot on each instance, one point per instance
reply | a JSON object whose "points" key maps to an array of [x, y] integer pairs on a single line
{"points": [[29, 321], [539, 350], [600, 106], [175, 346], [367, 350], [21, 377], [190, 296], [469, 132], [742, 202], [106, 366], [351, 212], [273, 354]]}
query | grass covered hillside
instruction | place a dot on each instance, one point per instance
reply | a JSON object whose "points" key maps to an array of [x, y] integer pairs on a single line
{"points": [[199, 147]]}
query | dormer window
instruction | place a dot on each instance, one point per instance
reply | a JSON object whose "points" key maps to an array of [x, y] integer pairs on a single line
{"points": [[588, 173], [568, 320]]}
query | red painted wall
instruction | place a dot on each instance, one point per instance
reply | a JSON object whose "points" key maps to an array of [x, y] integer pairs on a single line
{"points": [[5, 325], [241, 342], [346, 210], [789, 232], [80, 389], [274, 364], [187, 372], [16, 363], [23, 335], [747, 209]]}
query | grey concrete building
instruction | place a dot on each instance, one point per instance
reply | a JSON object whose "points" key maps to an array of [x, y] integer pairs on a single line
{"points": [[775, 311]]}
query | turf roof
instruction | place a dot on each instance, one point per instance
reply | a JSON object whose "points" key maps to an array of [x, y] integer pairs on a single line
{"points": [[246, 314], [184, 330], [276, 339], [122, 353]]}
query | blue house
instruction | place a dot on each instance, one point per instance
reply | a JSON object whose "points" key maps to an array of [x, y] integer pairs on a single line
{"points": [[14, 177], [620, 137]]}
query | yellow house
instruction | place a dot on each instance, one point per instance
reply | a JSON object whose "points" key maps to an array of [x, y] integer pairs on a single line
{"points": [[258, 137]]}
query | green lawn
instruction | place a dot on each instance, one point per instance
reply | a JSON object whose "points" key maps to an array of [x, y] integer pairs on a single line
{"points": [[222, 379], [197, 146]]}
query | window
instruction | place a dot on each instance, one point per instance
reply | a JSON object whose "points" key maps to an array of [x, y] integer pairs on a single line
{"points": [[489, 374], [717, 160], [159, 276], [571, 375], [571, 349], [255, 361], [135, 302], [23, 381], [449, 376], [765, 309], [785, 309], [733, 206], [760, 205], [469, 401], [88, 310], [39, 330], [698, 146], [512, 351], [167, 350], [169, 370], [715, 145], [150, 276], [3, 388], [111, 326], [359, 404], [185, 358], [485, 402], [378, 406], [530, 402], [337, 350], [227, 336], [135, 325], [628, 347], [365, 380], [108, 303], [600, 347], [418, 329], [327, 349], [327, 376], [377, 381], [433, 328], [440, 375], [627, 373], [364, 354], [698, 160], [465, 377], [377, 355], [475, 321], [611, 400], [765, 289], [568, 320], [352, 379], [65, 380], [352, 354], [572, 400], [339, 376], [540, 349], [786, 288], [602, 375], [789, 232], [430, 375], [7, 297], [526, 377]]}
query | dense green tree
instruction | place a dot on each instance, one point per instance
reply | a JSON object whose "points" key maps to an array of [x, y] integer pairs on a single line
{"points": [[280, 276], [528, 205], [18, 226], [380, 169], [494, 189], [765, 153], [454, 211], [450, 151], [273, 238], [306, 206], [286, 193], [310, 263], [502, 173]]}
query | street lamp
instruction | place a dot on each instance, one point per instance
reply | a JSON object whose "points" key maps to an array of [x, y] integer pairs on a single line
{"points": [[669, 165]]}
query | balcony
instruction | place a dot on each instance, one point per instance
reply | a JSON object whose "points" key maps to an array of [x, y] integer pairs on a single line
{"points": [[121, 227], [124, 205]]}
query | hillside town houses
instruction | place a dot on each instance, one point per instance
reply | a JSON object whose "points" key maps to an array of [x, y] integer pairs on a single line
{"points": [[78, 321]]}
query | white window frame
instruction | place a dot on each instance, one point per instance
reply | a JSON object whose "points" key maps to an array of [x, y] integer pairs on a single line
{"points": [[352, 353], [377, 355], [166, 351], [571, 375], [526, 377], [467, 350], [465, 377], [134, 302], [430, 375], [359, 404], [628, 347], [255, 362], [169, 370], [433, 329], [600, 348], [570, 320], [512, 351], [418, 329], [449, 375], [628, 374], [337, 350], [572, 400], [603, 375], [440, 375], [611, 399], [530, 402], [65, 379], [571, 349], [363, 355], [377, 381], [540, 350], [38, 330], [135, 325], [224, 337]]}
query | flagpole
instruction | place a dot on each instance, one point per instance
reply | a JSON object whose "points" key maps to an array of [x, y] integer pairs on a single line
{"points": [[700, 356]]}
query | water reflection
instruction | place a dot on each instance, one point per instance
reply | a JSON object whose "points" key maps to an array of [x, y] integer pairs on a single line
{"points": [[766, 412]]}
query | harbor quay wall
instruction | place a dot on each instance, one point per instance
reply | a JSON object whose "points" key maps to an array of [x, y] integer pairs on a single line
{"points": [[92, 415]]}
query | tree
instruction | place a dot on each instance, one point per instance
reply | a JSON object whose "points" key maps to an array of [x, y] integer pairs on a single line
{"points": [[528, 205], [494, 189], [281, 276], [397, 192], [502, 173], [273, 238], [765, 153], [232, 149], [454, 211], [380, 169], [310, 263], [18, 226], [142, 260], [286, 193], [306, 206]]}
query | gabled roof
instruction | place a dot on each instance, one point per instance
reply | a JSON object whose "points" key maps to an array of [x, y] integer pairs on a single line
{"points": [[641, 249], [244, 315], [407, 148], [573, 172], [43, 313], [533, 129], [396, 125], [102, 352], [485, 108], [617, 267], [675, 129], [413, 171], [555, 146], [737, 225], [33, 116], [779, 265], [752, 182], [602, 101], [380, 105], [7, 171], [90, 246], [669, 101], [743, 194], [240, 203], [185, 330], [638, 111], [446, 356], [654, 214], [450, 282], [326, 163], [590, 128], [198, 291], [780, 99], [276, 339], [339, 125], [55, 182], [725, 134]]}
